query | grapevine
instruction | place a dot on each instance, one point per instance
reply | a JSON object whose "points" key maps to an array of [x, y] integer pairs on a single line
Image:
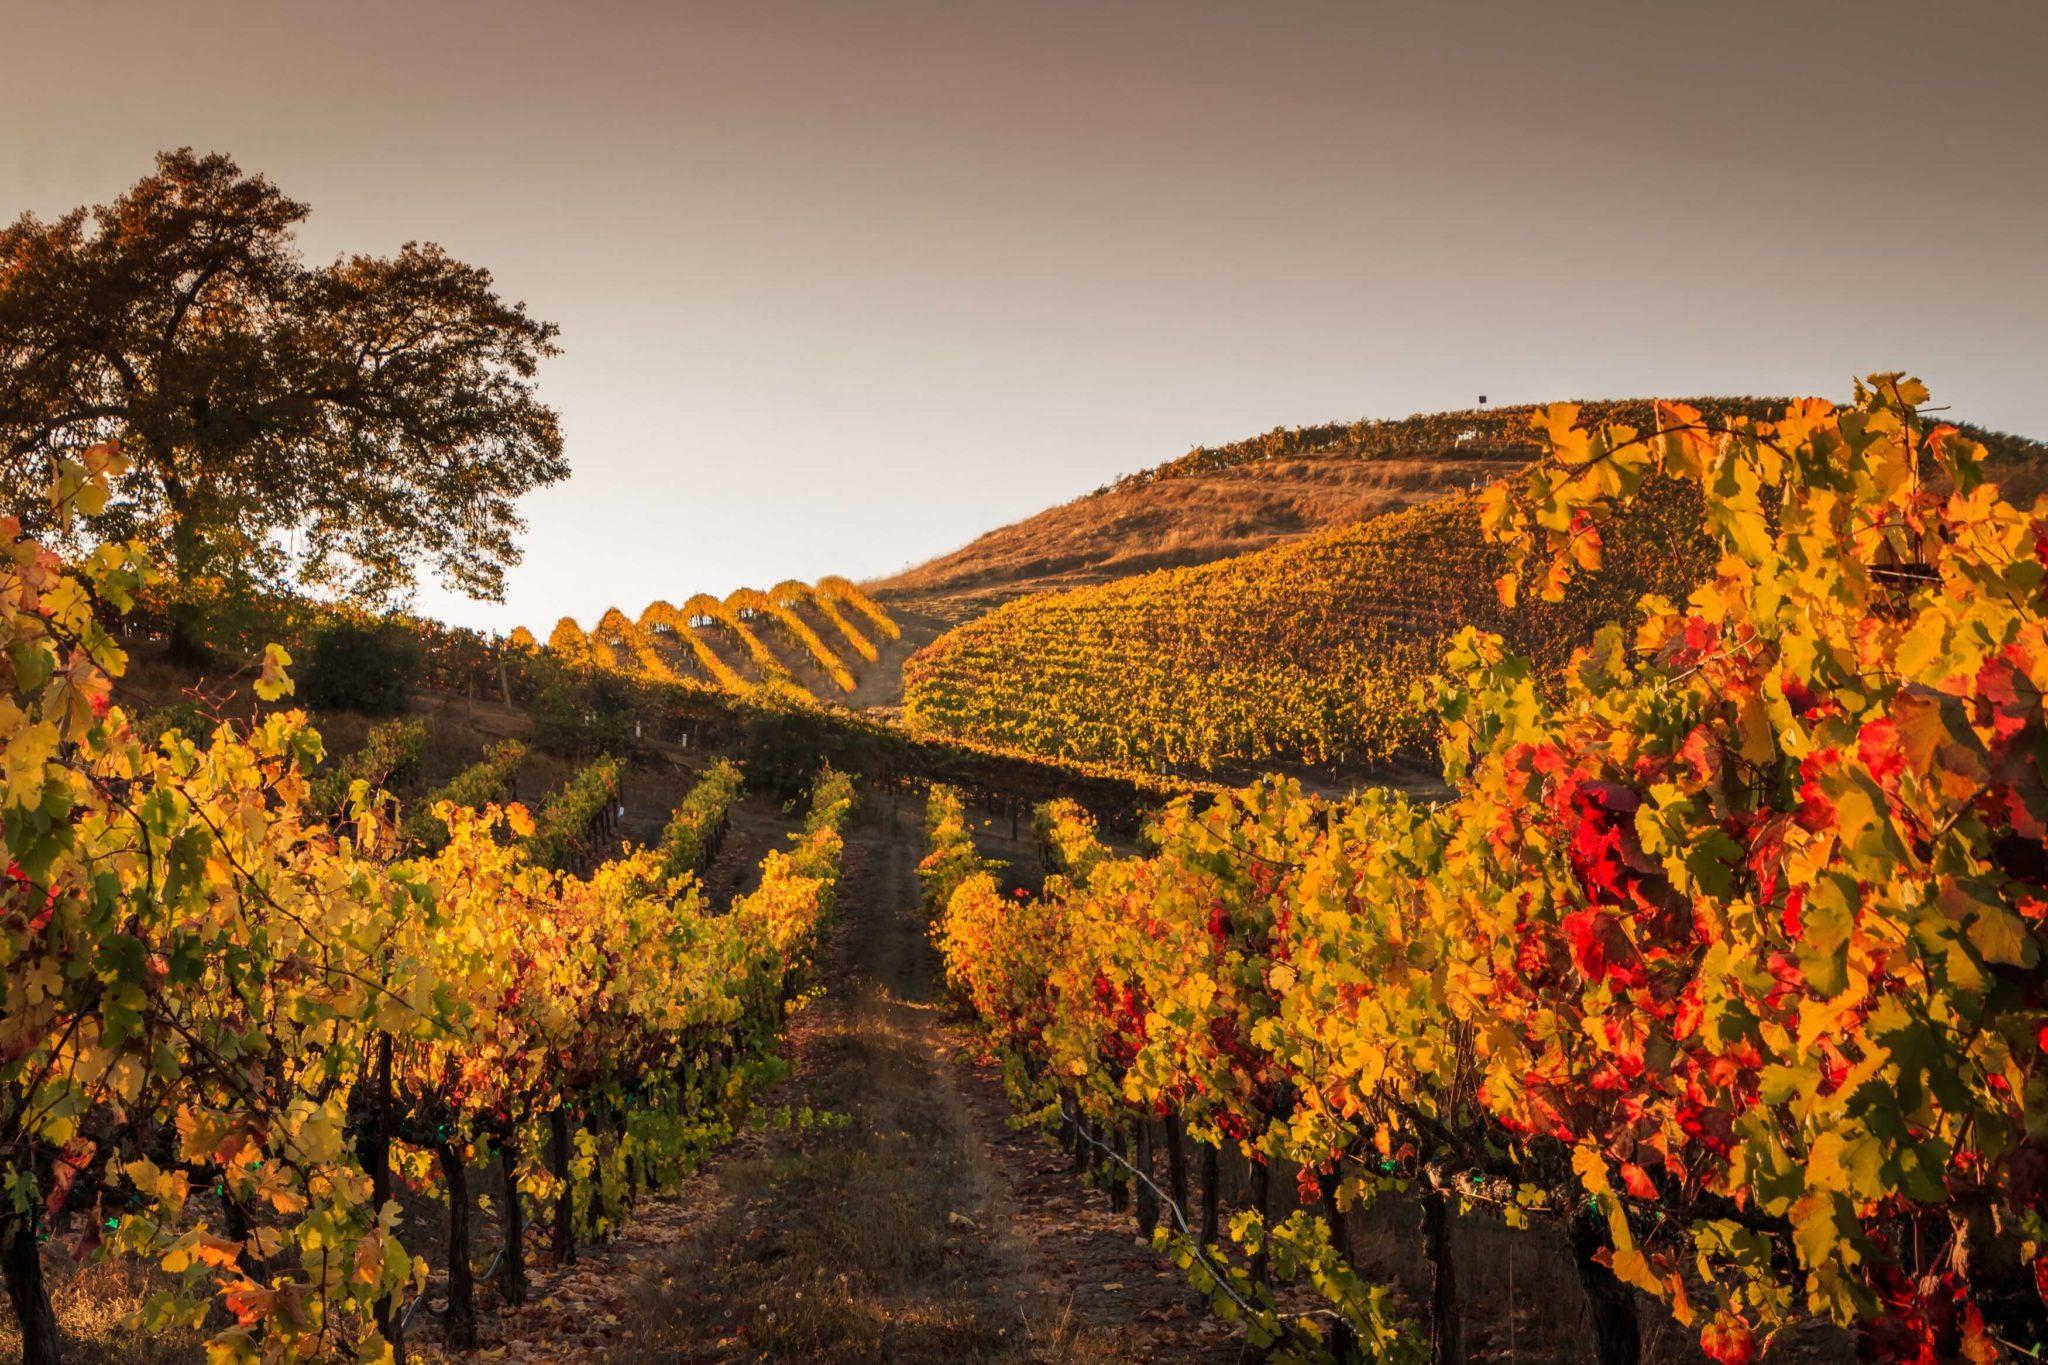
{"points": [[1731, 941]]}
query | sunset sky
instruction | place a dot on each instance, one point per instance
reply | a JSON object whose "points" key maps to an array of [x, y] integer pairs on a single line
{"points": [[841, 286]]}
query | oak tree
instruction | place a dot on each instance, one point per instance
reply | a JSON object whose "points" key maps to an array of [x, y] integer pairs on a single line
{"points": [[342, 426]]}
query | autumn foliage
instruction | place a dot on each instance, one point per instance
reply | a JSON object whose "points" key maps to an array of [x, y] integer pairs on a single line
{"points": [[1733, 941], [231, 1020]]}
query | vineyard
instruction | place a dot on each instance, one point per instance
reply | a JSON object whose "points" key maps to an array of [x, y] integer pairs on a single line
{"points": [[1508, 431], [1725, 959], [241, 1024], [1714, 974], [1310, 651], [725, 643], [1527, 883]]}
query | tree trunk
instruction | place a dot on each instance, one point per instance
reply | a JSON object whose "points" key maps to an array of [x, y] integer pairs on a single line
{"points": [[565, 1200], [1177, 1171], [1262, 1198], [1616, 1338], [187, 646], [1148, 1201], [21, 1262], [512, 1282], [1212, 1195], [459, 1326], [1447, 1311]]}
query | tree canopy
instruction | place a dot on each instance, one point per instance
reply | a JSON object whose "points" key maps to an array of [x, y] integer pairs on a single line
{"points": [[343, 426]]}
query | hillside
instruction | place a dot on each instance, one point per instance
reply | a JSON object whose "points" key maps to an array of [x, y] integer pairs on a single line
{"points": [[1305, 652], [1270, 602], [1218, 501]]}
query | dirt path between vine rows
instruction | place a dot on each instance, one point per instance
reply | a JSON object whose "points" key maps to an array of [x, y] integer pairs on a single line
{"points": [[920, 1227]]}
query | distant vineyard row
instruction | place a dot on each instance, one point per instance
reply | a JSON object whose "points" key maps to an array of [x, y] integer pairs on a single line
{"points": [[781, 728], [1310, 650], [673, 644]]}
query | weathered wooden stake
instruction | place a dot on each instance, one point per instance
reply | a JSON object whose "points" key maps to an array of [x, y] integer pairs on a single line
{"points": [[512, 1281], [1148, 1201], [1212, 1195], [1262, 1198], [1177, 1166]]}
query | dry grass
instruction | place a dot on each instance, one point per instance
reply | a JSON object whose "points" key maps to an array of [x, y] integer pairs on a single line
{"points": [[881, 1239], [92, 1301], [1174, 522], [837, 1245]]}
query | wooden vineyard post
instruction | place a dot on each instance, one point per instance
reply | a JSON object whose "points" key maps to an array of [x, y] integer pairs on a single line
{"points": [[1212, 1194], [1148, 1199], [1617, 1340], [1177, 1166], [1343, 1344], [374, 1145], [1262, 1192]]}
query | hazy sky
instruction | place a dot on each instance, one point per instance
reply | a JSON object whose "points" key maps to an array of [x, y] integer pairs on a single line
{"points": [[842, 285]]}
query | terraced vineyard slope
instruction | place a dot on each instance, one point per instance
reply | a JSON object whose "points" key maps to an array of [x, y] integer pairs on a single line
{"points": [[818, 637], [1290, 482], [1308, 651]]}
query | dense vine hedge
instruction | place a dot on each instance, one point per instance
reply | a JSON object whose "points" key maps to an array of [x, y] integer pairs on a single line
{"points": [[235, 1025], [1308, 651], [1727, 955]]}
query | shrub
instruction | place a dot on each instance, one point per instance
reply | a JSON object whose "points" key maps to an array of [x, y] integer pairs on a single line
{"points": [[483, 782], [580, 715], [361, 666], [389, 756]]}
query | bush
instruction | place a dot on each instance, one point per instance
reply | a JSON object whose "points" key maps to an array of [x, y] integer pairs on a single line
{"points": [[486, 781], [389, 757], [184, 715], [372, 668], [582, 715]]}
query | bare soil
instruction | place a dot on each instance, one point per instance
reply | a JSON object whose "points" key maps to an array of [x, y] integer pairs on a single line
{"points": [[914, 1225]]}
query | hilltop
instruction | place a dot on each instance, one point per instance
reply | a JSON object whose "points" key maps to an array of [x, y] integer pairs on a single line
{"points": [[1249, 495], [1306, 651]]}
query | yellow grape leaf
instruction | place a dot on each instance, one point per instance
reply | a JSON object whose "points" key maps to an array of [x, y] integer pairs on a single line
{"points": [[1633, 1268], [274, 682]]}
